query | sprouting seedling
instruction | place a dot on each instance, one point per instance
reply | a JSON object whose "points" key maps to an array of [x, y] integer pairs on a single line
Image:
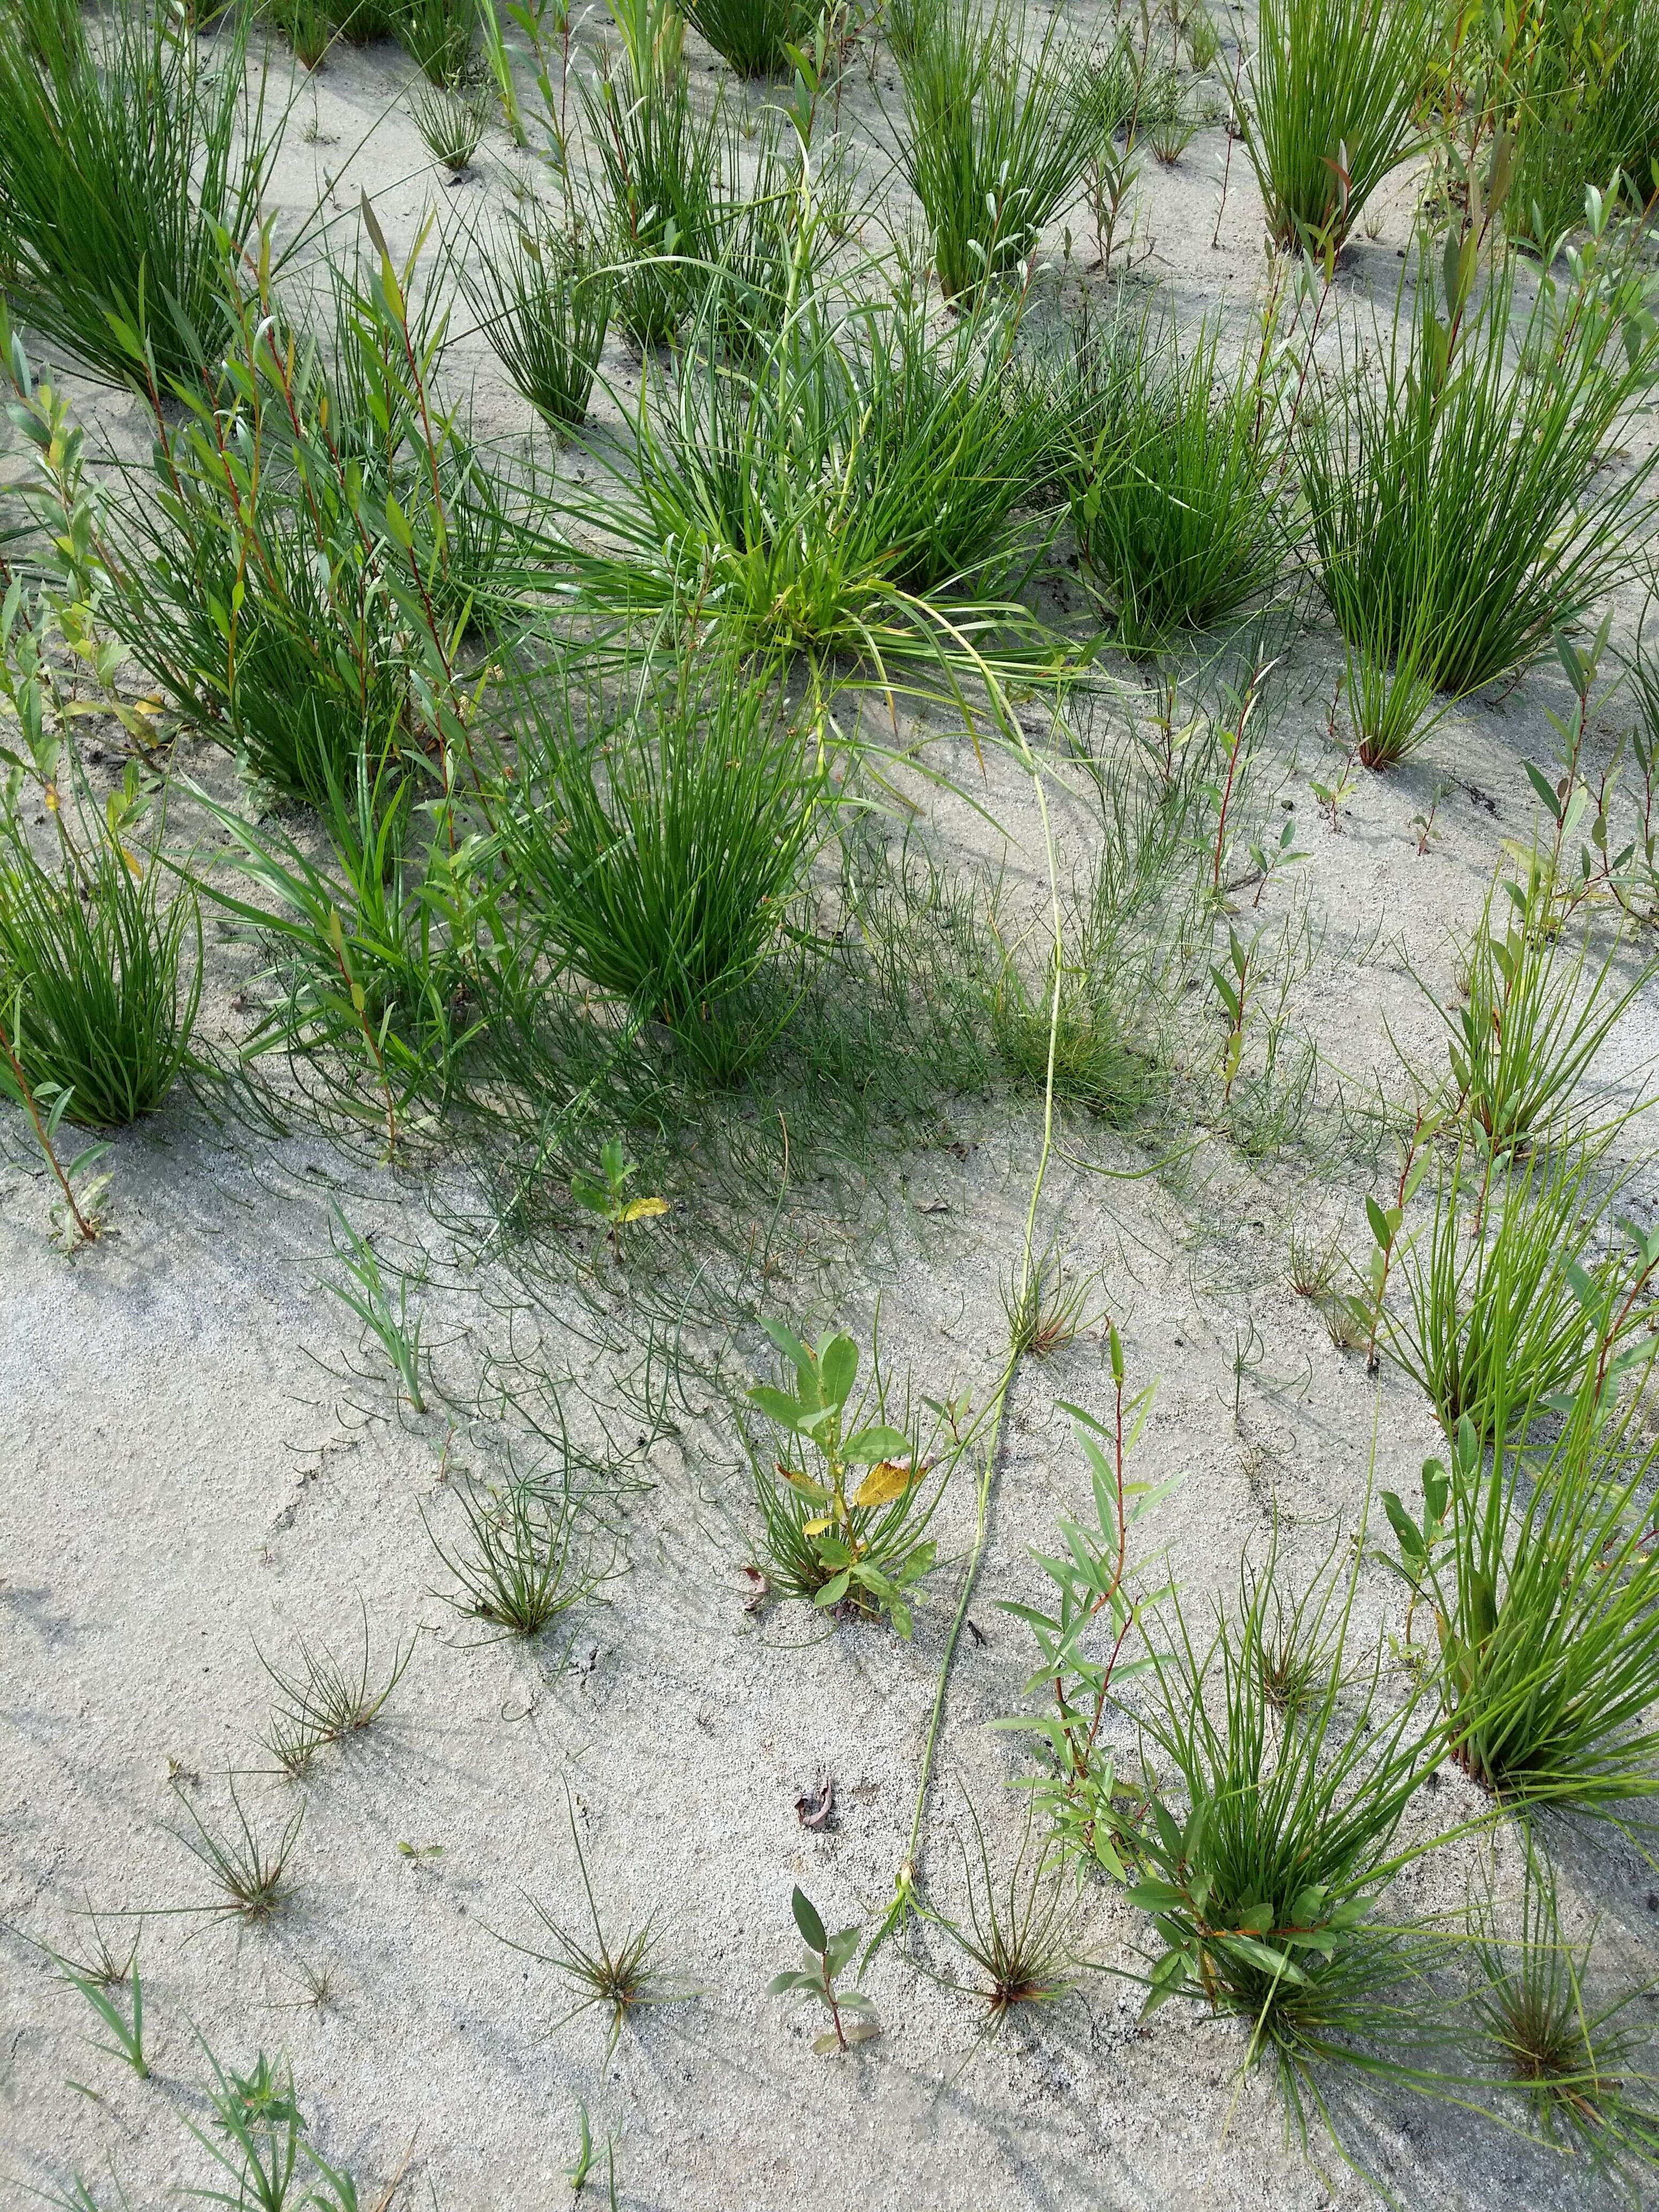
{"points": [[580, 2170], [1233, 991], [1090, 1581], [827, 1959], [1384, 1222], [1271, 860], [256, 2136], [606, 1193], [1424, 824], [129, 2033], [1334, 796], [76, 1218], [364, 1291]]}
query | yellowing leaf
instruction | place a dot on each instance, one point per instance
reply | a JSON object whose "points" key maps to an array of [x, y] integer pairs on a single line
{"points": [[803, 1482], [815, 1527], [883, 1483], [643, 1209]]}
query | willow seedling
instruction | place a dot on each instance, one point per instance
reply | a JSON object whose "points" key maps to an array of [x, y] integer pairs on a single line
{"points": [[77, 1219], [1084, 1644], [606, 1193], [851, 2015]]}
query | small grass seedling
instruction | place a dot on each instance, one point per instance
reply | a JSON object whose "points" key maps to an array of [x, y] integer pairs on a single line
{"points": [[580, 2170], [1578, 2068], [1310, 1266], [522, 1567], [364, 1291], [129, 2033], [450, 119], [1044, 1309], [619, 1977], [250, 1875], [325, 1699], [1022, 1939], [827, 1959], [607, 1192]]}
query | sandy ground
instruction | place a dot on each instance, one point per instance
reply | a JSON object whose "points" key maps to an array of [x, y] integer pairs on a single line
{"points": [[194, 1476]]}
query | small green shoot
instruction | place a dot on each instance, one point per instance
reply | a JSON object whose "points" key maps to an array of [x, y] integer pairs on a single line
{"points": [[364, 1291], [607, 1192], [827, 1958], [129, 2034]]}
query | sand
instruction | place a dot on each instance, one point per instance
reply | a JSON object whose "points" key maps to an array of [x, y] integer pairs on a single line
{"points": [[195, 1475]]}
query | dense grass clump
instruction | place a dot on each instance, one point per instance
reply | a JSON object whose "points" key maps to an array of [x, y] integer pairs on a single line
{"points": [[1334, 90], [995, 140], [1587, 107], [658, 844], [755, 35], [544, 304], [1170, 468], [1266, 1886], [1543, 1580], [670, 177], [829, 496], [1456, 497], [298, 584], [122, 163], [100, 977]]}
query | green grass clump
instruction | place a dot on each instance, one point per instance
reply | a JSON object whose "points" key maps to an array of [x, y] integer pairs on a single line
{"points": [[298, 584], [659, 845], [1581, 2064], [995, 141], [1333, 92], [436, 35], [123, 165], [755, 35], [1267, 1887], [1170, 468], [100, 973], [829, 498], [1495, 1281], [669, 177], [544, 305], [1458, 505], [1539, 1568], [1533, 1015], [1588, 108]]}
